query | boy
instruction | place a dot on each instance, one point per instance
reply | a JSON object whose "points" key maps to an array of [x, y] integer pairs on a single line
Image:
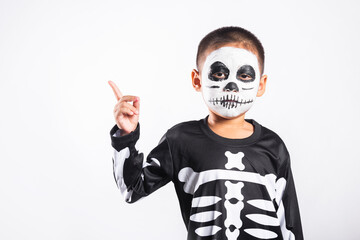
{"points": [[232, 175]]}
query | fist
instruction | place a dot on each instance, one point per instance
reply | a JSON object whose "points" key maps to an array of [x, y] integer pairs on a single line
{"points": [[126, 110]]}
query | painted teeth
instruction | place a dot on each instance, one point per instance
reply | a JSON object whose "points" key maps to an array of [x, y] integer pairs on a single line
{"points": [[228, 102]]}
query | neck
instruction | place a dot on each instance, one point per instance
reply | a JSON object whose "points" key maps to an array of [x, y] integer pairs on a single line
{"points": [[217, 120], [235, 127]]}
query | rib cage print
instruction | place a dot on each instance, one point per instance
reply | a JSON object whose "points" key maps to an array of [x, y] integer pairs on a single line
{"points": [[207, 214]]}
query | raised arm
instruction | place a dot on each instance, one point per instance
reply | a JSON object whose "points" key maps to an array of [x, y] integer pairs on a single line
{"points": [[135, 177]]}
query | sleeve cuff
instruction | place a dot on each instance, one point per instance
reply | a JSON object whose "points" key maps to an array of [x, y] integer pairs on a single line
{"points": [[120, 142]]}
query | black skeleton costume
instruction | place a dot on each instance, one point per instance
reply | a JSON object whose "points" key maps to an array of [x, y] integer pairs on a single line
{"points": [[227, 188]]}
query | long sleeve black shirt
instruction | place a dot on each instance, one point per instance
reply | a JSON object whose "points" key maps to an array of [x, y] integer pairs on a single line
{"points": [[227, 188]]}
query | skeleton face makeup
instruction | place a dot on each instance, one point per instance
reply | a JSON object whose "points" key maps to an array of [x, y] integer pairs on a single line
{"points": [[230, 80]]}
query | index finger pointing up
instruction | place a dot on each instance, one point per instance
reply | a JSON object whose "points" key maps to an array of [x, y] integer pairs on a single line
{"points": [[116, 90]]}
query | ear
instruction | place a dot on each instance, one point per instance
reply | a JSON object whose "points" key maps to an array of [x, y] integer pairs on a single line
{"points": [[196, 81], [262, 85]]}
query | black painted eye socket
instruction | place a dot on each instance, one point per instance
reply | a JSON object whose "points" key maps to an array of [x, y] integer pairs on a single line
{"points": [[218, 72], [246, 73]]}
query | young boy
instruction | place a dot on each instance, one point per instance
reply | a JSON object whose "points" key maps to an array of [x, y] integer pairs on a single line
{"points": [[232, 175]]}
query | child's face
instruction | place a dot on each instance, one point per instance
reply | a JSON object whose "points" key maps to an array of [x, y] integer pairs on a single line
{"points": [[229, 80]]}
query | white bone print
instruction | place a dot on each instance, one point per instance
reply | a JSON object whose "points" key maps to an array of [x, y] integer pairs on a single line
{"points": [[235, 179], [233, 210], [234, 190], [234, 160]]}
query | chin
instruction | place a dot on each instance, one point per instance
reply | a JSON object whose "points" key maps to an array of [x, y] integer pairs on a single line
{"points": [[228, 115]]}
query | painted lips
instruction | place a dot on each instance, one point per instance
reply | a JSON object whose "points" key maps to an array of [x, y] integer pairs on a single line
{"points": [[229, 101]]}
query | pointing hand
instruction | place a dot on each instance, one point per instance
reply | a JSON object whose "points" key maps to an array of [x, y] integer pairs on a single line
{"points": [[126, 114]]}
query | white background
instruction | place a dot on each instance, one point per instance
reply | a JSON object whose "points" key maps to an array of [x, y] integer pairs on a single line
{"points": [[56, 178]]}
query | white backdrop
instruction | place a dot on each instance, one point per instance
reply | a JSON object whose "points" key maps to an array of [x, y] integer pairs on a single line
{"points": [[56, 178]]}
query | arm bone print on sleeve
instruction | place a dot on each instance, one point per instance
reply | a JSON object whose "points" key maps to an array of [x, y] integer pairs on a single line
{"points": [[118, 166], [135, 177]]}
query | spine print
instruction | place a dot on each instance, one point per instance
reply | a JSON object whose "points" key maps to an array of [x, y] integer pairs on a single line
{"points": [[233, 198], [233, 205]]}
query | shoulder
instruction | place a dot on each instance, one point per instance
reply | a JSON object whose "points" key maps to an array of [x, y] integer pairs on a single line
{"points": [[271, 134], [184, 134], [270, 140], [183, 129]]}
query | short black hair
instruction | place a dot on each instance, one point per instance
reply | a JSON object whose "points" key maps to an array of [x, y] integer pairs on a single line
{"points": [[224, 35]]}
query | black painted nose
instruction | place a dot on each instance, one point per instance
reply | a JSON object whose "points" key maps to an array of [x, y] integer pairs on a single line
{"points": [[231, 87]]}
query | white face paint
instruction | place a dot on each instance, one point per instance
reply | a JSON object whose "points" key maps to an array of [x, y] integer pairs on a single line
{"points": [[230, 80]]}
